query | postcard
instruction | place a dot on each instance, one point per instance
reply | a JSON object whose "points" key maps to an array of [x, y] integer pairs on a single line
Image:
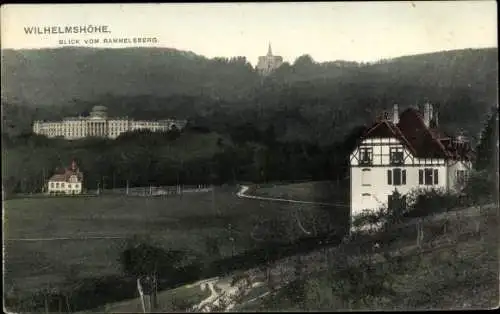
{"points": [[231, 157]]}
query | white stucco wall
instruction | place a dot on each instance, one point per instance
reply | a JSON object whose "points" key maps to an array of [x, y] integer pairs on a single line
{"points": [[374, 194]]}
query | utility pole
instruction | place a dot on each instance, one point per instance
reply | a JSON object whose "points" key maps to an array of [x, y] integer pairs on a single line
{"points": [[178, 182], [231, 239], [178, 189], [215, 209], [103, 182], [43, 179], [155, 289]]}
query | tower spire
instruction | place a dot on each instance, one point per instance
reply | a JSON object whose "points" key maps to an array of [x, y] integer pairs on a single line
{"points": [[269, 50]]}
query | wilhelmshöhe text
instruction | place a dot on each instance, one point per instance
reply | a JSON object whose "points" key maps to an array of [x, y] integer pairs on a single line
{"points": [[82, 29]]}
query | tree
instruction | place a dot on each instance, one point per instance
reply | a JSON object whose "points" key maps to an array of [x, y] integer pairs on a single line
{"points": [[487, 148], [148, 263]]}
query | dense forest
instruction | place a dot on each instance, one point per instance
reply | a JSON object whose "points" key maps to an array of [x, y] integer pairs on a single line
{"points": [[298, 123]]}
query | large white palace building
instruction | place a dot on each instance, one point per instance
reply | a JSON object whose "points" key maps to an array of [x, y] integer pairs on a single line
{"points": [[98, 124]]}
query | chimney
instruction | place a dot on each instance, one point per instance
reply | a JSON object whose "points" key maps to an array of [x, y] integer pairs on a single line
{"points": [[395, 114], [427, 114]]}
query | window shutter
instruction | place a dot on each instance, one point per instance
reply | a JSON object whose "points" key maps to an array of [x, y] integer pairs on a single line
{"points": [[389, 177], [420, 177], [403, 179], [436, 172]]}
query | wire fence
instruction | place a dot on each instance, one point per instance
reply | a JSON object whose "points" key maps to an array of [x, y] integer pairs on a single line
{"points": [[158, 190]]}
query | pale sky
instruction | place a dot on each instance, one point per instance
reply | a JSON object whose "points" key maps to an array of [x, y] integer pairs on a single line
{"points": [[355, 31]]}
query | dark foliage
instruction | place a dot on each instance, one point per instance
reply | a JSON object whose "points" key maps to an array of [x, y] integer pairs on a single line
{"points": [[487, 149], [300, 123]]}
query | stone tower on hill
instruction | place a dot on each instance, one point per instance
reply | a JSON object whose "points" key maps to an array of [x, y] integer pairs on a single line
{"points": [[269, 63]]}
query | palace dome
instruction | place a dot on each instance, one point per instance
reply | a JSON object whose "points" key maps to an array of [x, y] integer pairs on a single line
{"points": [[99, 112]]}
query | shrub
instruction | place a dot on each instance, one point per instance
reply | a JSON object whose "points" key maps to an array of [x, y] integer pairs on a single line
{"points": [[369, 218], [425, 202]]}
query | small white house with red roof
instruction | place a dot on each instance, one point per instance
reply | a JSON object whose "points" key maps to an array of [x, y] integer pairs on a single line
{"points": [[403, 153], [70, 181]]}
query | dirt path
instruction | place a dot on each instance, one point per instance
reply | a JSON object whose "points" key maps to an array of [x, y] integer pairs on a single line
{"points": [[242, 193]]}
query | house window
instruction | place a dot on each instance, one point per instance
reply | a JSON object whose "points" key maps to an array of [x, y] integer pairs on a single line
{"points": [[365, 156], [396, 156], [62, 185], [428, 176], [365, 177], [51, 184], [461, 176], [365, 198], [396, 176], [57, 184]]}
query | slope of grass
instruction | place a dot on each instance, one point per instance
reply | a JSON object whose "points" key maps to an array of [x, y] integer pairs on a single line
{"points": [[458, 270], [174, 300], [452, 270]]}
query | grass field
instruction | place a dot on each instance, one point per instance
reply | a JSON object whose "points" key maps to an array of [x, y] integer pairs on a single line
{"points": [[33, 260], [318, 191]]}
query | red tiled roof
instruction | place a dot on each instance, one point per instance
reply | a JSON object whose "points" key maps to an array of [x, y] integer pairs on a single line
{"points": [[420, 137], [421, 141]]}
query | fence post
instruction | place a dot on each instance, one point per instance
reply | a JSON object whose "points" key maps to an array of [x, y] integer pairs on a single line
{"points": [[420, 232]]}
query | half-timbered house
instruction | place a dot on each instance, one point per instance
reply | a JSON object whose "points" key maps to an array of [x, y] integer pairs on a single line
{"points": [[402, 153]]}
